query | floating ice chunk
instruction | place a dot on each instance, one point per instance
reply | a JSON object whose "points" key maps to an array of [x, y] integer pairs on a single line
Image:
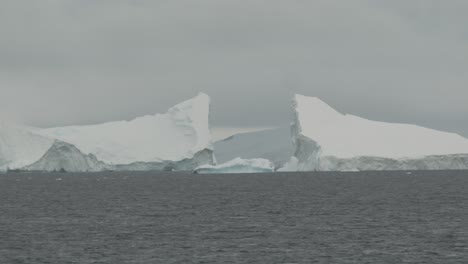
{"points": [[238, 165]]}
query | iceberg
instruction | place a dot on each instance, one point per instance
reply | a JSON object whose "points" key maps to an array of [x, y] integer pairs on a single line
{"points": [[238, 165], [327, 140], [177, 140], [180, 138]]}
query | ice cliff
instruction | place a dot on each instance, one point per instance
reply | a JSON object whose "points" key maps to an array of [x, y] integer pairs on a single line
{"points": [[325, 139]]}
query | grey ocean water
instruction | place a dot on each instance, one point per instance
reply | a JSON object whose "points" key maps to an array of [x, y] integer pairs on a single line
{"points": [[372, 217]]}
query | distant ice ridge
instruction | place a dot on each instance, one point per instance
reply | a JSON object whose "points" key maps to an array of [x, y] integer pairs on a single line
{"points": [[238, 165], [327, 140]]}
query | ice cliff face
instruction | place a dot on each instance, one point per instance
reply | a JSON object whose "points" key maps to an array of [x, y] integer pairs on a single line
{"points": [[64, 156], [20, 146], [325, 139], [153, 141]]}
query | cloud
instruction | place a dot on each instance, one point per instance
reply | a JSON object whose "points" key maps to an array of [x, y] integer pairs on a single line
{"points": [[67, 62]]}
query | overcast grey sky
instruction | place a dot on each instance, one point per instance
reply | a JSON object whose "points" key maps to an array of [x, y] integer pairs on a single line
{"points": [[87, 61]]}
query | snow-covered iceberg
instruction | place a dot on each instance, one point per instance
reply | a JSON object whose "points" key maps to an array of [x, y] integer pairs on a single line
{"points": [[326, 140], [238, 165], [177, 140], [153, 142]]}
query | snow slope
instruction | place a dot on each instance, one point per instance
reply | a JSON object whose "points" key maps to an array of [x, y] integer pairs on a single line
{"points": [[328, 140], [177, 135], [238, 165], [20, 146]]}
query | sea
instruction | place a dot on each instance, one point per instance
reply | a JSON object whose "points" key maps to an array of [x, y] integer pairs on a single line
{"points": [[317, 217]]}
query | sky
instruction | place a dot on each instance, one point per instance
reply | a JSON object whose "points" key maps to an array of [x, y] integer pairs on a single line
{"points": [[68, 62]]}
